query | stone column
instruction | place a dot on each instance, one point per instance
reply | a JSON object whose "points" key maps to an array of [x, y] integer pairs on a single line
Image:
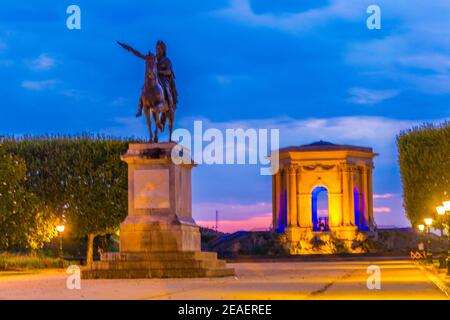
{"points": [[344, 195], [334, 209], [274, 203], [365, 190], [305, 215], [276, 187], [287, 186], [369, 196], [283, 209], [297, 187], [348, 203], [351, 209], [292, 195]]}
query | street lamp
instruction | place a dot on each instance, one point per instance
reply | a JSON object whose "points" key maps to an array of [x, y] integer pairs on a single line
{"points": [[429, 222], [446, 205], [421, 228], [442, 257], [60, 229]]}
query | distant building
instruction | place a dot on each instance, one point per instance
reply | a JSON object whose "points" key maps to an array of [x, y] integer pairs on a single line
{"points": [[344, 172]]}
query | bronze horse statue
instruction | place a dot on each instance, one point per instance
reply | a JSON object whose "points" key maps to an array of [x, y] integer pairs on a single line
{"points": [[158, 96]]}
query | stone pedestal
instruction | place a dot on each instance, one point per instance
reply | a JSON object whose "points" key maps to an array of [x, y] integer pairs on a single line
{"points": [[159, 238]]}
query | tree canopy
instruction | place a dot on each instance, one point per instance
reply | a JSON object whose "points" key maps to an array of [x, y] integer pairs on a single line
{"points": [[24, 222], [81, 179], [424, 158]]}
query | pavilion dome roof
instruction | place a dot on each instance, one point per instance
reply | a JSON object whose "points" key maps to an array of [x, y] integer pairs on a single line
{"points": [[320, 143], [325, 146]]}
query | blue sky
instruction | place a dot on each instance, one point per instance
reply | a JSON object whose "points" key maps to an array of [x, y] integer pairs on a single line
{"points": [[312, 69]]}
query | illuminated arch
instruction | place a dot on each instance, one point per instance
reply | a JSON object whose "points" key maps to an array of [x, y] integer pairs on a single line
{"points": [[314, 205]]}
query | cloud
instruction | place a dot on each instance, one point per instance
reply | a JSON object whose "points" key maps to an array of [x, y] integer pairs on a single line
{"points": [[38, 85], [415, 50], [399, 58], [381, 210], [41, 63], [433, 83], [262, 222], [241, 11], [127, 127], [368, 96], [376, 132], [427, 61], [385, 196], [71, 93], [381, 53], [120, 102], [230, 211]]}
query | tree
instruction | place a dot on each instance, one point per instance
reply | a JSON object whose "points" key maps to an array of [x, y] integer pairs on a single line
{"points": [[98, 189], [424, 158], [81, 178], [24, 224]]}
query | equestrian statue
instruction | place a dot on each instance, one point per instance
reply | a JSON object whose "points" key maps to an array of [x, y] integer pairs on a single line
{"points": [[159, 95]]}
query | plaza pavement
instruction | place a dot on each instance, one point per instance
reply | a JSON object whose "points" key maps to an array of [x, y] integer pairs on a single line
{"points": [[400, 279]]}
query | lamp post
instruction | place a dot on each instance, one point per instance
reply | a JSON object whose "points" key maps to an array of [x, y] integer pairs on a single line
{"points": [[60, 230], [442, 256], [446, 205], [428, 223], [421, 245]]}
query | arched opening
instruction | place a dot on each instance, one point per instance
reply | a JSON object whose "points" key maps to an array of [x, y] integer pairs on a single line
{"points": [[320, 216]]}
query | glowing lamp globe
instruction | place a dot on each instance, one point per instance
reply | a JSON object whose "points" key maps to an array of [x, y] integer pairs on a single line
{"points": [[421, 227], [446, 205], [428, 221], [440, 210], [60, 229]]}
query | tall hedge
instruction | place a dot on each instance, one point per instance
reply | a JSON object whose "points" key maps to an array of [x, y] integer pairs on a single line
{"points": [[79, 178], [424, 158], [24, 222]]}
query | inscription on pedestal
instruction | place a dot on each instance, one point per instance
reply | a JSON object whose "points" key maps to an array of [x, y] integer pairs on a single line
{"points": [[151, 189]]}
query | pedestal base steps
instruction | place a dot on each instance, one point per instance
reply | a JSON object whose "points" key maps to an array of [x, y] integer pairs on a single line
{"points": [[337, 240], [122, 265]]}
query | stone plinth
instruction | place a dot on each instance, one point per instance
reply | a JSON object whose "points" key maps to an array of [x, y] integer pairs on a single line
{"points": [[159, 238], [187, 264]]}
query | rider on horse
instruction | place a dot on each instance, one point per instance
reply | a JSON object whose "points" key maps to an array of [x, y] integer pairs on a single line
{"points": [[159, 94], [166, 76]]}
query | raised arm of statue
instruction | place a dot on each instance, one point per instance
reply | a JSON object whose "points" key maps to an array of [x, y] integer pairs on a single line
{"points": [[133, 51]]}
